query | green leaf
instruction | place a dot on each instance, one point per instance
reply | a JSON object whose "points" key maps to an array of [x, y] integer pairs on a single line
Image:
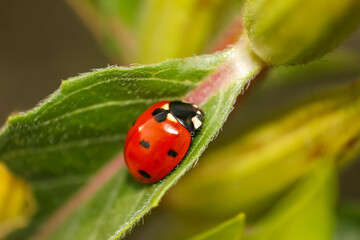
{"points": [[229, 230], [307, 212], [61, 144]]}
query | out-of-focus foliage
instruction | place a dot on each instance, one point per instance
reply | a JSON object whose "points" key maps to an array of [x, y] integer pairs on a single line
{"points": [[348, 223], [269, 159], [229, 230], [306, 212], [152, 31], [298, 31]]}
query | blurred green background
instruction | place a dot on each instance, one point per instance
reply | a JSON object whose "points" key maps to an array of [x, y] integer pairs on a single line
{"points": [[44, 42]]}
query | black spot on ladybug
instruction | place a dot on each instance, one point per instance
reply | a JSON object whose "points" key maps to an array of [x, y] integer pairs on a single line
{"points": [[160, 114], [161, 117], [158, 111], [144, 174], [145, 144], [172, 153]]}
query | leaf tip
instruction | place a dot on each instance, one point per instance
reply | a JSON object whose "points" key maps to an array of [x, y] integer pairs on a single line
{"points": [[63, 83]]}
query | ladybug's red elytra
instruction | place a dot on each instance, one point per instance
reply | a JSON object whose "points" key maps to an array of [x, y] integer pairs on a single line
{"points": [[160, 138]]}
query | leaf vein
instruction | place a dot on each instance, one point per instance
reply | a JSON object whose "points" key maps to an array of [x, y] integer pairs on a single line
{"points": [[93, 107]]}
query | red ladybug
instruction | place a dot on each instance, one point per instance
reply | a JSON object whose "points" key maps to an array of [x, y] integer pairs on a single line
{"points": [[160, 138]]}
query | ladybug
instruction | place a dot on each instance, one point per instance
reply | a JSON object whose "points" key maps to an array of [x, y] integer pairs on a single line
{"points": [[160, 138]]}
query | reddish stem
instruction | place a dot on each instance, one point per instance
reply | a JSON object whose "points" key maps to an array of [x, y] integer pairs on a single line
{"points": [[211, 84], [231, 35]]}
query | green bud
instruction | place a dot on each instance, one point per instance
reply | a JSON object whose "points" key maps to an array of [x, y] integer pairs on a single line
{"points": [[252, 171], [297, 31]]}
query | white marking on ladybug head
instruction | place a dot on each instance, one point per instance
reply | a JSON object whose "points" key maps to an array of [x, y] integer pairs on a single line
{"points": [[165, 106], [197, 123], [170, 117], [198, 112]]}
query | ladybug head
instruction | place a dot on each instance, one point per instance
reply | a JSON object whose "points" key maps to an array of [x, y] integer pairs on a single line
{"points": [[189, 115]]}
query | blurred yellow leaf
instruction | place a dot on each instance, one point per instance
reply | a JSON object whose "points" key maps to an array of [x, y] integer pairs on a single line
{"points": [[16, 202], [307, 212], [229, 230]]}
